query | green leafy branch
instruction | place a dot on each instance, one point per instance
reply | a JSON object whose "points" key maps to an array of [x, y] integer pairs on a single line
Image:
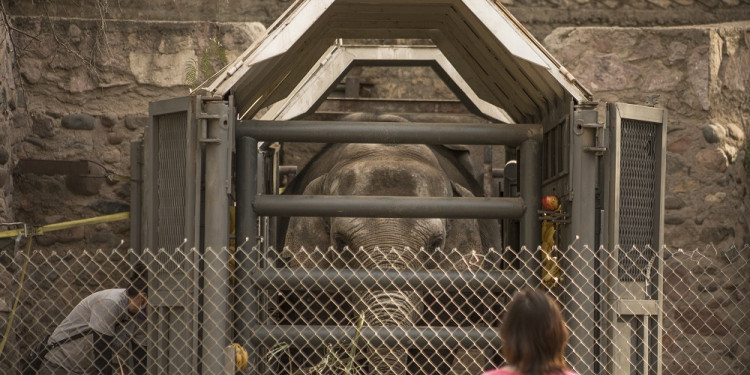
{"points": [[201, 68]]}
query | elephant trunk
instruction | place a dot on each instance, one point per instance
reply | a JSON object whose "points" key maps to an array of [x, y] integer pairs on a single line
{"points": [[389, 308]]}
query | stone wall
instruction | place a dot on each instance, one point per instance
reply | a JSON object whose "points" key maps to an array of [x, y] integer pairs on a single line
{"points": [[701, 77], [87, 99], [540, 16], [11, 106]]}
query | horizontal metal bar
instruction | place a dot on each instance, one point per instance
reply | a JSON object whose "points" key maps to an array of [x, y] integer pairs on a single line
{"points": [[287, 169], [391, 207], [345, 280], [636, 307], [388, 132], [420, 337]]}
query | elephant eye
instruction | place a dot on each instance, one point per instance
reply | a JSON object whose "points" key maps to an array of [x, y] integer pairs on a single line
{"points": [[433, 250], [341, 242], [435, 244]]}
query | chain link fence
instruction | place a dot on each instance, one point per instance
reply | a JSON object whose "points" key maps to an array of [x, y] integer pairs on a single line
{"points": [[393, 311]]}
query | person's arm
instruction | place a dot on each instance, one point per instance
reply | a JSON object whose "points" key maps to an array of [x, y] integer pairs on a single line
{"points": [[103, 353]]}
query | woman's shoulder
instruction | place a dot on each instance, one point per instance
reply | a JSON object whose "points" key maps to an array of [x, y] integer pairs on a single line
{"points": [[505, 371], [500, 371]]}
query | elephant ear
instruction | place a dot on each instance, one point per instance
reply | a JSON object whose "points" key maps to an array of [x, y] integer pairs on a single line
{"points": [[463, 236], [304, 234]]}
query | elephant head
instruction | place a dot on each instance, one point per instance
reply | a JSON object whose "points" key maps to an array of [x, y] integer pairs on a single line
{"points": [[386, 170], [384, 243]]}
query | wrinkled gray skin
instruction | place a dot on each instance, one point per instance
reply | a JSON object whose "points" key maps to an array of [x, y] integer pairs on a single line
{"points": [[387, 243], [388, 170]]}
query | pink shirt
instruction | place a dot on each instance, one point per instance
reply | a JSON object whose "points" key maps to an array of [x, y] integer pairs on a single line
{"points": [[504, 371]]}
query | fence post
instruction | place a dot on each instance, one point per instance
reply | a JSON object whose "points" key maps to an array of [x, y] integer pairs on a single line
{"points": [[216, 271], [246, 228], [136, 178], [580, 284], [530, 179]]}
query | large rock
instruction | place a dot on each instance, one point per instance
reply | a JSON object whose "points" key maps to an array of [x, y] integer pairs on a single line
{"points": [[702, 321], [136, 122], [714, 160], [162, 70], [4, 156], [78, 122], [714, 133], [108, 120], [109, 206], [43, 125]]}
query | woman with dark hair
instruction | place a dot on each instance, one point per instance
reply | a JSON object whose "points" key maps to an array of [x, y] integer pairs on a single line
{"points": [[534, 336]]}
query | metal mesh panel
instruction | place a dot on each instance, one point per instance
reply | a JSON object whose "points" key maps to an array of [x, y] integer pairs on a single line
{"points": [[170, 178], [439, 315], [637, 196], [555, 153]]}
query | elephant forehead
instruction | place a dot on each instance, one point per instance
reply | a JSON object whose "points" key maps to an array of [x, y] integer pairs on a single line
{"points": [[371, 230], [375, 152], [394, 177]]}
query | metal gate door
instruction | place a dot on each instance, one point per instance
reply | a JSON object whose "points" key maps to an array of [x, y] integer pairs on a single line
{"points": [[259, 275], [636, 164]]}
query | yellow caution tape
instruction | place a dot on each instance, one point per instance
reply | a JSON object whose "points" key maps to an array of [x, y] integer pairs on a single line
{"points": [[64, 225], [60, 226], [18, 298]]}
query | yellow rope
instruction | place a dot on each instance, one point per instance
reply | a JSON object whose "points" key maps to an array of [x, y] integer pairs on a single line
{"points": [[42, 230], [18, 297], [66, 225]]}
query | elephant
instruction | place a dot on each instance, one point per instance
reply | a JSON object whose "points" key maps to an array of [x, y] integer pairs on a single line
{"points": [[388, 243]]}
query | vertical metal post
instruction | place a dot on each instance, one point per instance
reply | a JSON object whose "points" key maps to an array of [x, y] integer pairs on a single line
{"points": [[273, 225], [259, 253], [531, 189], [580, 285], [216, 272], [510, 189], [136, 180], [247, 235], [487, 171]]}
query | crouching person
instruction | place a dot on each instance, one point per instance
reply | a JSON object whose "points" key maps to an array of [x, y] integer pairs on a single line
{"points": [[88, 338]]}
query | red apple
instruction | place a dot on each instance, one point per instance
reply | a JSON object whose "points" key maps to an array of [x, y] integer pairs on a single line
{"points": [[550, 202]]}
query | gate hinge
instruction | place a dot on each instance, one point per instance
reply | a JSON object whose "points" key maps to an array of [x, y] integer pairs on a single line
{"points": [[204, 127], [601, 136]]}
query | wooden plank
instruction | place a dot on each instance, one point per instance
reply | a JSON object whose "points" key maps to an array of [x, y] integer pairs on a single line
{"points": [[503, 63], [465, 62], [274, 79], [499, 77], [463, 66], [285, 31], [309, 93], [523, 44], [356, 32], [478, 49]]}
